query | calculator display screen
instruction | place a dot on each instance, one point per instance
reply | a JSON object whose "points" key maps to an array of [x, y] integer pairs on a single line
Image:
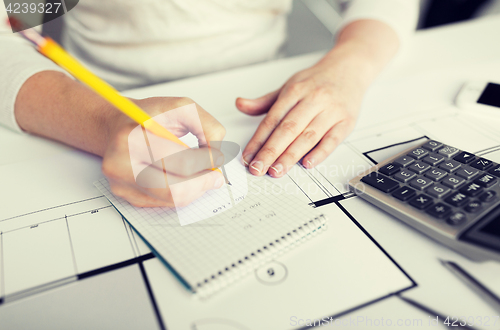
{"points": [[486, 231], [492, 228], [490, 95]]}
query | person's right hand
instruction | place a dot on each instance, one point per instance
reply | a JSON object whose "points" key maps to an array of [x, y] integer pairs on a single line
{"points": [[192, 168]]}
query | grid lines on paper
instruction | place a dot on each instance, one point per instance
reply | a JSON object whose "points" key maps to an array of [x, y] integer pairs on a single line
{"points": [[203, 249]]}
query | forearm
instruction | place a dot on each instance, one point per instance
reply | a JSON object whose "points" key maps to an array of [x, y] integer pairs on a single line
{"points": [[362, 50], [52, 105]]}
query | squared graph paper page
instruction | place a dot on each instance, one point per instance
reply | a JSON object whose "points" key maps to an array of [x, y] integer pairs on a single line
{"points": [[334, 272], [227, 244]]}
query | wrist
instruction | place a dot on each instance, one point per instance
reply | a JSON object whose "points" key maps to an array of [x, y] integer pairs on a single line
{"points": [[363, 48], [350, 60]]}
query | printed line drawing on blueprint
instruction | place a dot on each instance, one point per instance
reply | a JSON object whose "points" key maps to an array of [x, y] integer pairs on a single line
{"points": [[53, 246]]}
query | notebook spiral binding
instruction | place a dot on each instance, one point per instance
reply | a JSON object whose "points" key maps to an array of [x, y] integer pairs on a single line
{"points": [[247, 264]]}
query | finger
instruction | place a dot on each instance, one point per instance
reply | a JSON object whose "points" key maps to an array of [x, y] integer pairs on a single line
{"points": [[212, 128], [283, 135], [259, 105], [278, 111], [159, 147], [186, 192], [180, 194], [306, 141], [192, 118], [135, 196], [332, 139], [183, 192], [193, 161]]}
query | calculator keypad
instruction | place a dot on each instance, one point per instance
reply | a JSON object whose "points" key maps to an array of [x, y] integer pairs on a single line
{"points": [[438, 190], [419, 167], [471, 189], [380, 182], [453, 181], [433, 159], [467, 172], [439, 210], [457, 199], [481, 164], [486, 180], [420, 183], [488, 196], [436, 174], [432, 145], [495, 171], [448, 151], [404, 161], [465, 157], [450, 165], [421, 201], [404, 193], [447, 184], [405, 176], [418, 153]]}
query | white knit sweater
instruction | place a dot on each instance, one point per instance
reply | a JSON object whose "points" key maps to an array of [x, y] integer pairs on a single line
{"points": [[133, 43]]}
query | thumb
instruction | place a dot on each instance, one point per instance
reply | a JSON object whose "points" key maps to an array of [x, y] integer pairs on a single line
{"points": [[213, 180], [257, 106]]}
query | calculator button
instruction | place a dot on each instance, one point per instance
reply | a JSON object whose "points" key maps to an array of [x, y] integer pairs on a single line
{"points": [[420, 183], [404, 161], [448, 151], [453, 181], [421, 201], [488, 196], [450, 165], [482, 164], [486, 180], [435, 174], [418, 153], [457, 199], [439, 210], [404, 193], [466, 172], [438, 190], [380, 182], [419, 167], [495, 171], [465, 157], [472, 189], [389, 169], [473, 207], [456, 219], [405, 176], [432, 145], [433, 159]]}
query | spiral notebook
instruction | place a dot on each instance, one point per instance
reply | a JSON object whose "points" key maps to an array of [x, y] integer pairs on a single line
{"points": [[209, 255]]}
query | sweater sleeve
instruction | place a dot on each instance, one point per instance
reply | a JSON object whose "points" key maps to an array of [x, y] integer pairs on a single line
{"points": [[400, 15], [18, 61]]}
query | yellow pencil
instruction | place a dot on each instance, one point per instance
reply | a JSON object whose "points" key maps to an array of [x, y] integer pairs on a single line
{"points": [[56, 53]]}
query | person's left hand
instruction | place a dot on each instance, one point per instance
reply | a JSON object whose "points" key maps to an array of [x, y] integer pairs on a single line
{"points": [[314, 111]]}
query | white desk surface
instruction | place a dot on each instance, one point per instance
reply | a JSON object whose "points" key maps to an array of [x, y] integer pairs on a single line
{"points": [[426, 75]]}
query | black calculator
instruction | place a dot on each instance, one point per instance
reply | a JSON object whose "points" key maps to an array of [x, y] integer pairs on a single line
{"points": [[449, 194]]}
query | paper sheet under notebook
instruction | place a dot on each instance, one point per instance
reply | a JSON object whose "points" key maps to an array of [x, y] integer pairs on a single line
{"points": [[210, 254]]}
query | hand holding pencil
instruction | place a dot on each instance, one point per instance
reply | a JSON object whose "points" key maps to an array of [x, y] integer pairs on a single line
{"points": [[116, 159]]}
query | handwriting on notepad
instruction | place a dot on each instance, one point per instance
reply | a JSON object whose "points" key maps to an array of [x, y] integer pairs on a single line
{"points": [[249, 209], [223, 207]]}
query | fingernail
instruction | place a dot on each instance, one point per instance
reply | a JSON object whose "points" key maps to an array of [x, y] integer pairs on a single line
{"points": [[247, 159], [310, 162], [257, 165], [220, 161], [219, 182], [277, 168]]}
